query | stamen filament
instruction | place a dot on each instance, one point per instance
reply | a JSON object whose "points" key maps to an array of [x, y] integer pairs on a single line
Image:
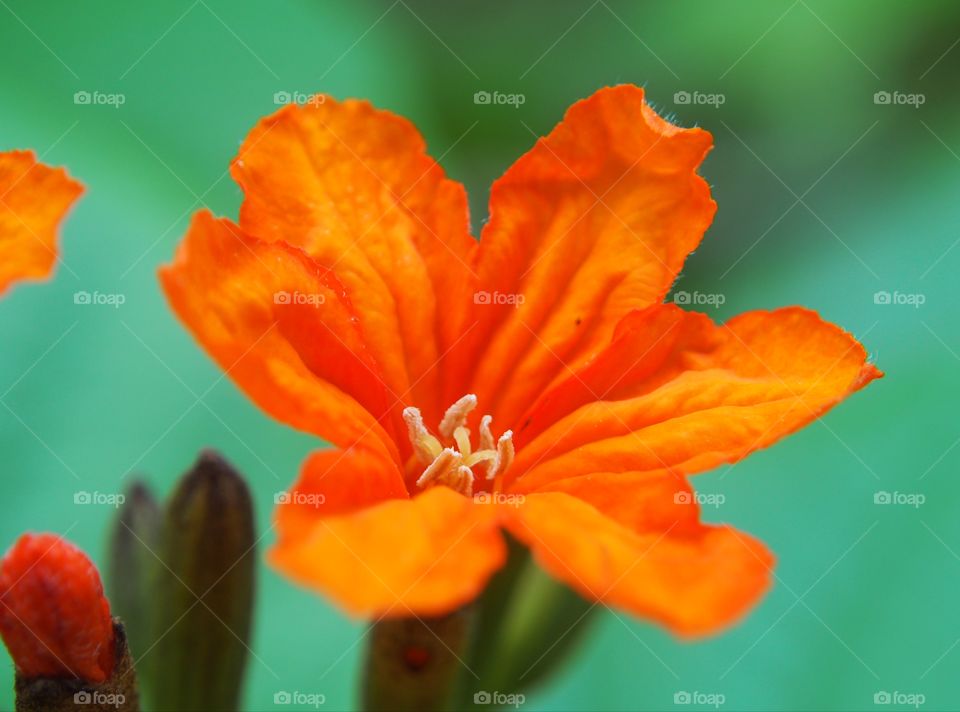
{"points": [[479, 456], [462, 436]]}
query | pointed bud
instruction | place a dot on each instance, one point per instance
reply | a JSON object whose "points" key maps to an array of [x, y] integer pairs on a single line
{"points": [[56, 623], [204, 590], [133, 569]]}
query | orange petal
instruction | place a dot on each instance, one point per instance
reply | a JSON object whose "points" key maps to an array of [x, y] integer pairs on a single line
{"points": [[231, 291], [344, 362], [594, 221], [34, 198], [336, 482], [692, 580], [653, 501], [355, 189], [674, 391], [424, 556]]}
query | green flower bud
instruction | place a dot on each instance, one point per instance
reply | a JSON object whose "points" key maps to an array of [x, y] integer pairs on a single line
{"points": [[204, 592], [132, 568]]}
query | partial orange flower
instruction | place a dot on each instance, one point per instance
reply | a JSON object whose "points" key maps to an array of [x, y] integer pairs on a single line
{"points": [[34, 198], [533, 382], [54, 618]]}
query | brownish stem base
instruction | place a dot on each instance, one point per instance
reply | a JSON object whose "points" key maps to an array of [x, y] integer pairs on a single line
{"points": [[118, 694]]}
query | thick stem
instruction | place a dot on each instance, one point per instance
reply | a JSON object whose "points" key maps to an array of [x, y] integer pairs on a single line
{"points": [[414, 663]]}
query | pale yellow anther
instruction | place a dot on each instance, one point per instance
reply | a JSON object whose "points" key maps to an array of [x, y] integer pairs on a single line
{"points": [[464, 482], [486, 437], [456, 415], [505, 454], [452, 466], [448, 470], [426, 446], [439, 470]]}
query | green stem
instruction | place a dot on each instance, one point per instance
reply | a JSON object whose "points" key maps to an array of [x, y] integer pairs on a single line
{"points": [[414, 663], [526, 626]]}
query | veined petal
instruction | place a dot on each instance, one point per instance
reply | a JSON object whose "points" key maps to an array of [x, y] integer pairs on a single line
{"points": [[354, 188], [232, 290], [424, 556], [34, 198], [693, 580], [594, 221], [674, 391]]}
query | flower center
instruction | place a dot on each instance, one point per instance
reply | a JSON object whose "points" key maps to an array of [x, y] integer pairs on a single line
{"points": [[452, 465]]}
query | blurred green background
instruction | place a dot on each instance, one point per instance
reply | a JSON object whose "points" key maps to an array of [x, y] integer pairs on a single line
{"points": [[827, 195]]}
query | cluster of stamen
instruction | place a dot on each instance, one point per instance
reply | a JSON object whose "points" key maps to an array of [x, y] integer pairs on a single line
{"points": [[452, 466]]}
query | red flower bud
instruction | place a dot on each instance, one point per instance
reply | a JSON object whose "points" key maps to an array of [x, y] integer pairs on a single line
{"points": [[54, 617]]}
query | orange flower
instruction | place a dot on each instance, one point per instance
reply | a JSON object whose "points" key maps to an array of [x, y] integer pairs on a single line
{"points": [[33, 200], [352, 303]]}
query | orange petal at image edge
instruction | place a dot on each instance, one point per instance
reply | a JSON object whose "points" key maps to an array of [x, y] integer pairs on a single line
{"points": [[34, 198]]}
